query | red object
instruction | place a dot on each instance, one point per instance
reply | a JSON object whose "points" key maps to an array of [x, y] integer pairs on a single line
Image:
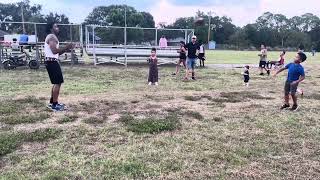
{"points": [[281, 61]]}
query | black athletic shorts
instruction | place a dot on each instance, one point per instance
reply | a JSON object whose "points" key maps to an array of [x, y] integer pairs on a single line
{"points": [[290, 89], [262, 64], [201, 56], [246, 78], [54, 71]]}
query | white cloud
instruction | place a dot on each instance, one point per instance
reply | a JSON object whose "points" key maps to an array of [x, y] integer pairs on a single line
{"points": [[76, 13], [241, 14], [290, 8], [166, 11]]}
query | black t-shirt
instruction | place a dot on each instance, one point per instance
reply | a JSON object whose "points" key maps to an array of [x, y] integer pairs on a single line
{"points": [[192, 49], [246, 73], [183, 54]]}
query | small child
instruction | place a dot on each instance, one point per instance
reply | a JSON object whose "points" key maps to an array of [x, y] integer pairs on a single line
{"points": [[246, 75], [263, 58], [15, 45], [295, 76], [201, 55], [276, 64], [153, 68], [183, 57]]}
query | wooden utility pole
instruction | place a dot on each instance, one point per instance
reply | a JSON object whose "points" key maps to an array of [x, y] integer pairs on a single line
{"points": [[22, 16], [209, 28]]}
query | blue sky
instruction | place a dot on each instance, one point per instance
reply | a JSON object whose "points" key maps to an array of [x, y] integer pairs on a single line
{"points": [[241, 11]]}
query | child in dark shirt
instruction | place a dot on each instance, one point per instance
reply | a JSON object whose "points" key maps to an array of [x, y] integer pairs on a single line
{"points": [[246, 75], [153, 68], [182, 58]]}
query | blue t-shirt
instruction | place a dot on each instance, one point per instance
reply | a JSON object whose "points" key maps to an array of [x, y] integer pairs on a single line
{"points": [[294, 71]]}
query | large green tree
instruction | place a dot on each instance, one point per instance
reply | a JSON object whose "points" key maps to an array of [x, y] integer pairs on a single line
{"points": [[114, 15], [221, 27], [12, 12]]}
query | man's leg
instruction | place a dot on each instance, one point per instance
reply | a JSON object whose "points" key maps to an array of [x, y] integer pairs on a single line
{"points": [[188, 68], [51, 99], [187, 74], [55, 93], [193, 66]]}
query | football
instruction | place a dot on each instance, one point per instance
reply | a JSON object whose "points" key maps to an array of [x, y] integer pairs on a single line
{"points": [[199, 21]]}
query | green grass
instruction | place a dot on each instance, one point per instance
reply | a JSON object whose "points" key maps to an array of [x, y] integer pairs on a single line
{"points": [[93, 120], [42, 135], [193, 114], [152, 125], [68, 118], [9, 142], [220, 129], [22, 119]]}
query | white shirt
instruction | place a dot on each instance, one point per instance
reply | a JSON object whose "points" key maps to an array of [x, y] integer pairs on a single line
{"points": [[47, 50], [15, 46], [201, 49]]}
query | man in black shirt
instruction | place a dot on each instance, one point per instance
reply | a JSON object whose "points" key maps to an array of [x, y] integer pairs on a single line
{"points": [[193, 48]]}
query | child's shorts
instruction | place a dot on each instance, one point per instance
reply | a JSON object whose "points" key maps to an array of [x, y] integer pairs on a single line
{"points": [[290, 89], [262, 64], [201, 56], [246, 78]]}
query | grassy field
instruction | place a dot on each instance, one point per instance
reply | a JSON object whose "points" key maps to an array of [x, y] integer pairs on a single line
{"points": [[248, 57], [119, 128]]}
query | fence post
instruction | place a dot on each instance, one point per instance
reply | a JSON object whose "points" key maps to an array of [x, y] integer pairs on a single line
{"points": [[87, 36], [1, 54], [94, 46], [37, 48], [81, 36], [125, 47], [185, 36], [156, 40]]}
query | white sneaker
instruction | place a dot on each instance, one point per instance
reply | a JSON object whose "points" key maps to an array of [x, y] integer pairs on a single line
{"points": [[150, 84], [156, 84]]}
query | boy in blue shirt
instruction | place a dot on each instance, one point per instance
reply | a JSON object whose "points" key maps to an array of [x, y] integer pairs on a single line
{"points": [[295, 76]]}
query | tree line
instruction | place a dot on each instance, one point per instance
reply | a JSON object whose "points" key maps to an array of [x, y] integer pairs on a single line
{"points": [[275, 30]]}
